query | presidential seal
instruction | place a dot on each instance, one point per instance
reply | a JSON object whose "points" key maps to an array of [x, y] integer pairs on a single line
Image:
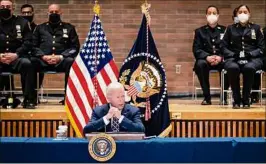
{"points": [[142, 80], [102, 147]]}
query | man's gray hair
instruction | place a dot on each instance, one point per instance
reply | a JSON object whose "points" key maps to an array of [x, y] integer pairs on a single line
{"points": [[113, 86]]}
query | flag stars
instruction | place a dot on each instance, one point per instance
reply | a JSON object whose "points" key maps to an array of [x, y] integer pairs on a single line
{"points": [[108, 50], [86, 56]]}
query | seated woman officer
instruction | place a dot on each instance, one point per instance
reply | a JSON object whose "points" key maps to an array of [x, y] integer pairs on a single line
{"points": [[206, 50], [242, 48]]}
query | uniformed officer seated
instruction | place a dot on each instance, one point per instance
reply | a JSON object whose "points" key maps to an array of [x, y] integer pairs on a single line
{"points": [[15, 45], [206, 50], [242, 48], [56, 43]]}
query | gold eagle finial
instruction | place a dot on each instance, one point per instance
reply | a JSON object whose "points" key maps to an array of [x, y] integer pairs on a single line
{"points": [[96, 8]]}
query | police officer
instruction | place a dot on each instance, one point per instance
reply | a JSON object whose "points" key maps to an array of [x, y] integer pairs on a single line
{"points": [[15, 45], [206, 49], [27, 12], [57, 44], [242, 47]]}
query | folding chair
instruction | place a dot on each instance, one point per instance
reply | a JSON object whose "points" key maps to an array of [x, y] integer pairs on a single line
{"points": [[40, 90], [260, 90], [196, 88]]}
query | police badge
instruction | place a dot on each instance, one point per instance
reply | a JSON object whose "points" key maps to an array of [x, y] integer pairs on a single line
{"points": [[65, 33], [102, 147], [253, 34], [18, 28]]}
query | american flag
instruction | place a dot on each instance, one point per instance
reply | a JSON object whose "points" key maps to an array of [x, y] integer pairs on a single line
{"points": [[93, 69], [134, 89]]}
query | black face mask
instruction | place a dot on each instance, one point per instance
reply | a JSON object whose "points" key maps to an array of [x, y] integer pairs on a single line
{"points": [[54, 18], [5, 13], [29, 18]]}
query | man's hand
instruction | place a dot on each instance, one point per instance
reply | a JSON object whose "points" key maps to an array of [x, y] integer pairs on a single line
{"points": [[2, 58], [7, 58], [117, 113], [56, 59], [52, 59], [46, 58], [110, 113], [217, 60], [210, 59]]}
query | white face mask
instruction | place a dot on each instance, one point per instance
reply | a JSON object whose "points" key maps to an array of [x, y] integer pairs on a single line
{"points": [[212, 19], [236, 20], [243, 18]]}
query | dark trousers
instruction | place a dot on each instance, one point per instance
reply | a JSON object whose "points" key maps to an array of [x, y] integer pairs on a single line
{"points": [[202, 69], [24, 67], [42, 66], [248, 70]]}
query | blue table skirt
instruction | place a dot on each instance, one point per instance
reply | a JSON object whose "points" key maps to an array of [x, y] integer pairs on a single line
{"points": [[47, 150]]}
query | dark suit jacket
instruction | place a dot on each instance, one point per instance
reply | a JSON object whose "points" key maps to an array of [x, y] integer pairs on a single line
{"points": [[130, 123]]}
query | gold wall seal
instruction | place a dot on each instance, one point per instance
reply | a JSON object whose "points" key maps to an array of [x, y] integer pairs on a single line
{"points": [[102, 147]]}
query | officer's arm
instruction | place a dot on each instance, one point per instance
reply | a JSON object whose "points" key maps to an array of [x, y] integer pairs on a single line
{"points": [[226, 53], [260, 45], [74, 44], [36, 42], [26, 41], [198, 51]]}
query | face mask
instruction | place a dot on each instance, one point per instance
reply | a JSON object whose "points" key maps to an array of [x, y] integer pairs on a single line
{"points": [[212, 19], [243, 18], [54, 18], [236, 20], [5, 13], [29, 18]]}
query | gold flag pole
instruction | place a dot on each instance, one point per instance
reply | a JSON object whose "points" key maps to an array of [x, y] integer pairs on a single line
{"points": [[145, 8], [96, 10]]}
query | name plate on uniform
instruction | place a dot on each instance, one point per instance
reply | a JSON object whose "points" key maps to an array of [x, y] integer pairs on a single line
{"points": [[120, 135]]}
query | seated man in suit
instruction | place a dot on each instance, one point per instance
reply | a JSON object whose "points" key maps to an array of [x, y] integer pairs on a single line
{"points": [[116, 115]]}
